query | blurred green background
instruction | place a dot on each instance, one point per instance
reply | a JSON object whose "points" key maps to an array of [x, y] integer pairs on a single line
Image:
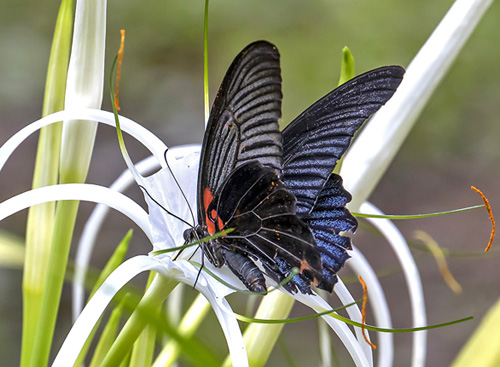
{"points": [[455, 143]]}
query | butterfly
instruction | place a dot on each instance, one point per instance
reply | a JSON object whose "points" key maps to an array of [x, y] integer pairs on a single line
{"points": [[276, 190]]}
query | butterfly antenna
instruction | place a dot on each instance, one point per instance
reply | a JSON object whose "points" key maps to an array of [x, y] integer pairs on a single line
{"points": [[165, 209], [178, 185]]}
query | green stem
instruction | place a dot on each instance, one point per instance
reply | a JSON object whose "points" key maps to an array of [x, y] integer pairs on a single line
{"points": [[154, 297], [188, 326], [261, 338]]}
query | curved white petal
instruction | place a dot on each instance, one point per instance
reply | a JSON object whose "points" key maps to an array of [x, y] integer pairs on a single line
{"points": [[345, 335], [92, 228], [229, 325], [355, 314], [85, 192], [94, 223], [214, 292], [181, 271], [144, 136], [163, 188], [376, 146], [379, 306], [412, 276], [94, 309]]}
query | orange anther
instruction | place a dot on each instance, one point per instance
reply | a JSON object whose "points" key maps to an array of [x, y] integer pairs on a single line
{"points": [[363, 312], [490, 214], [119, 68]]}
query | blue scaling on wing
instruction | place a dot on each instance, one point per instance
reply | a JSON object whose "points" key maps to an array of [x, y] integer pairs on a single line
{"points": [[319, 136], [328, 218]]}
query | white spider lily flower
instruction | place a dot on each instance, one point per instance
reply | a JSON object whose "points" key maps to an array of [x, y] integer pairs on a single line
{"points": [[180, 270], [164, 231]]}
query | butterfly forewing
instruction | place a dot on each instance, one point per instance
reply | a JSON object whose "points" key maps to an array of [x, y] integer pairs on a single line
{"points": [[317, 138], [243, 124]]}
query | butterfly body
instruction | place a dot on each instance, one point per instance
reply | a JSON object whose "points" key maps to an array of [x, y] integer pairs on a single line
{"points": [[275, 190]]}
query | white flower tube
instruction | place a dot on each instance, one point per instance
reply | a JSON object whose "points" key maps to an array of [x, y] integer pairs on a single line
{"points": [[84, 87]]}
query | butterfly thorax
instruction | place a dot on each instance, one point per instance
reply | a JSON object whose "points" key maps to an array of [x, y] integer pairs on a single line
{"points": [[209, 248]]}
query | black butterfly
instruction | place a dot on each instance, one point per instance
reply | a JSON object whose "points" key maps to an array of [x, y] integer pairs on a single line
{"points": [[276, 189]]}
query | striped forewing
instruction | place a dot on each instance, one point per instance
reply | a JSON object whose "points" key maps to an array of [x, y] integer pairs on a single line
{"points": [[317, 138], [243, 124]]}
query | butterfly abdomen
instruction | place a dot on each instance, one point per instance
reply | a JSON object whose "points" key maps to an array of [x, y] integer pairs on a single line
{"points": [[246, 270]]}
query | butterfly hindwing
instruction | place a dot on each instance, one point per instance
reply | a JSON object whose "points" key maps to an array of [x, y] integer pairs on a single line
{"points": [[319, 136], [327, 220], [256, 204]]}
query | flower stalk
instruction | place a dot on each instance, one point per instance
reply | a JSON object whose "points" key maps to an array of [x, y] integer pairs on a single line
{"points": [[259, 338]]}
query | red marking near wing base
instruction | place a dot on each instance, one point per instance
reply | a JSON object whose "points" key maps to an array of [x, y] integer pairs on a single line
{"points": [[207, 199], [304, 265]]}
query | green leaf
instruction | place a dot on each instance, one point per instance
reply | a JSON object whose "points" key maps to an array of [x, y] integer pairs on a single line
{"points": [[188, 326], [114, 261], [483, 348], [108, 335], [40, 222], [11, 251]]}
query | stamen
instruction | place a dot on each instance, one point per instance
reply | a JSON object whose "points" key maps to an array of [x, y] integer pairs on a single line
{"points": [[363, 312], [490, 214], [438, 254], [119, 68]]}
